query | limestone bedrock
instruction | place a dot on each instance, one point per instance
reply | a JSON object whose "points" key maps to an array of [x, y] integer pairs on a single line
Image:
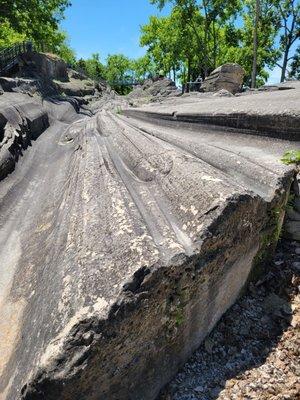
{"points": [[123, 240]]}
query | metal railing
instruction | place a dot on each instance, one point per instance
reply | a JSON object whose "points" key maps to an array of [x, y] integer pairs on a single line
{"points": [[126, 82], [191, 87], [9, 55]]}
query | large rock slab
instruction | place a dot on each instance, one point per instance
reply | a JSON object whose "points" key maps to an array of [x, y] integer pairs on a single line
{"points": [[275, 114], [228, 76], [122, 243]]}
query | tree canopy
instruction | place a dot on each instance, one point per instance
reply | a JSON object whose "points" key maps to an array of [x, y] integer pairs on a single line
{"points": [[199, 35], [35, 20], [195, 38]]}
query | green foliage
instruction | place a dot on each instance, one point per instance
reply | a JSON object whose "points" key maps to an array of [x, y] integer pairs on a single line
{"points": [[118, 69], [143, 67], [295, 65], [8, 36], [288, 12], [200, 35], [35, 20], [291, 157], [92, 67]]}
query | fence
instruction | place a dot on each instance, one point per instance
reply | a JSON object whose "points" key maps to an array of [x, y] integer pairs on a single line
{"points": [[9, 55]]}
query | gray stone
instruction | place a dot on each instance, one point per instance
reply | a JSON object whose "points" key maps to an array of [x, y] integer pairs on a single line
{"points": [[223, 93], [292, 230], [76, 87], [296, 185], [19, 85], [47, 65], [296, 266], [269, 113], [297, 204], [123, 242], [293, 214], [228, 76]]}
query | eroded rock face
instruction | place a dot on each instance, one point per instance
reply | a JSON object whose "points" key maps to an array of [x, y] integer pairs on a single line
{"points": [[292, 220], [228, 76], [131, 241], [47, 65], [22, 120], [153, 90]]}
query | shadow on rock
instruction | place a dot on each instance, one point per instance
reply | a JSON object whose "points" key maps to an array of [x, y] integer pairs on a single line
{"points": [[252, 353]]}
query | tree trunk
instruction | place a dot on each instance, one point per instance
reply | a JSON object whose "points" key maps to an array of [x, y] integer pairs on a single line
{"points": [[188, 75], [284, 64], [255, 44]]}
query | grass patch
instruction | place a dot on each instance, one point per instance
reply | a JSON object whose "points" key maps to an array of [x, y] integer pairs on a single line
{"points": [[291, 157]]}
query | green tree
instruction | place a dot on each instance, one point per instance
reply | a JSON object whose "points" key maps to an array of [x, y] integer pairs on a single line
{"points": [[118, 70], [93, 67], [214, 15], [143, 67], [295, 65], [8, 36], [172, 45], [289, 15], [35, 20]]}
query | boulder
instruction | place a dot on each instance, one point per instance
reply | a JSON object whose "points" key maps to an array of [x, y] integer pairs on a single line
{"points": [[19, 85], [46, 65], [223, 93], [152, 88], [228, 76], [76, 87]]}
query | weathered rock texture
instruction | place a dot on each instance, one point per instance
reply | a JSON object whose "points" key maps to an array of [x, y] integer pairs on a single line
{"points": [[153, 90], [46, 65], [292, 220], [121, 244], [45, 74], [21, 121], [228, 76], [274, 114]]}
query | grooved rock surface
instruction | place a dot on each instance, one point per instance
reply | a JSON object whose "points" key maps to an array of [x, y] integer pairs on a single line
{"points": [[228, 76], [275, 114], [22, 120], [122, 243]]}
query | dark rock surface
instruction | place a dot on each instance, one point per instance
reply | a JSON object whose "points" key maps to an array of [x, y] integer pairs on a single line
{"points": [[45, 74], [22, 120], [292, 220], [253, 352], [47, 65]]}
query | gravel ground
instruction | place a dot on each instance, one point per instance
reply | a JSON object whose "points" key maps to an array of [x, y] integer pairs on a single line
{"points": [[253, 352]]}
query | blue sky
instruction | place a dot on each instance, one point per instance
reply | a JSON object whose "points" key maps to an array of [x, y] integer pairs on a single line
{"points": [[107, 26], [113, 26]]}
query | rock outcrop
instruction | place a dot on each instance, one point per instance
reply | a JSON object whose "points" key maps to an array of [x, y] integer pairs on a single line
{"points": [[46, 65], [22, 120], [153, 90], [274, 113], [132, 239], [228, 76], [124, 238]]}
